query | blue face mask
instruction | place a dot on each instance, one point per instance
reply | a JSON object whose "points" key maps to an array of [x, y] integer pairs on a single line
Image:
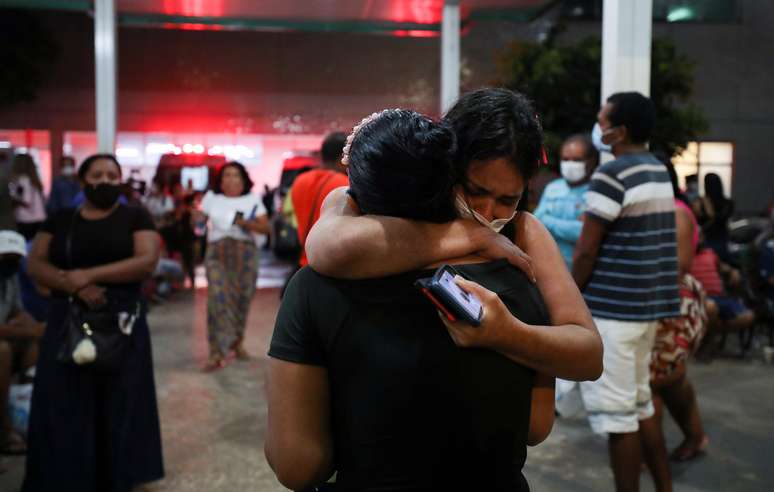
{"points": [[596, 138]]}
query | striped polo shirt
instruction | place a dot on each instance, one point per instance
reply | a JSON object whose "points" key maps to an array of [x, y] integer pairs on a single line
{"points": [[635, 274]]}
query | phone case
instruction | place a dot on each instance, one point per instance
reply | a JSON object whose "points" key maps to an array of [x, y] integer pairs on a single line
{"points": [[448, 306], [423, 285]]}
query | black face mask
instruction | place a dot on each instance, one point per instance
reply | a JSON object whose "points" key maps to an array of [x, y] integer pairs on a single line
{"points": [[9, 267], [103, 195]]}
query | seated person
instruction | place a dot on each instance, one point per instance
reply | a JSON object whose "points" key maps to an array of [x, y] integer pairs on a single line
{"points": [[19, 334], [365, 380], [766, 268], [726, 312], [167, 276], [35, 298]]}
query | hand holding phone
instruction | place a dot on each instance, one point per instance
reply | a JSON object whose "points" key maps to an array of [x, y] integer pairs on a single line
{"points": [[238, 217], [454, 302], [494, 318]]}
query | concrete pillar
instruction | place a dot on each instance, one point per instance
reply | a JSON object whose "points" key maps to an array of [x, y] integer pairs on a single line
{"points": [[106, 56], [450, 54], [626, 40]]}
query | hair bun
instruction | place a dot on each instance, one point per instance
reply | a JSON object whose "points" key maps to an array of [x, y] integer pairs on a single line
{"points": [[400, 164]]}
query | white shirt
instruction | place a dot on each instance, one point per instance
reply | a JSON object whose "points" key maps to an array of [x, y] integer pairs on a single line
{"points": [[35, 211], [221, 210], [159, 205]]}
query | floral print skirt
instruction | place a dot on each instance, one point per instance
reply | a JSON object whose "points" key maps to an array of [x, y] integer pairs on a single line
{"points": [[678, 337], [232, 272]]}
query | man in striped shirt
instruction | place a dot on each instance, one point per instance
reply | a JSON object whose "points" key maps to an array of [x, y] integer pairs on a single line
{"points": [[626, 265]]}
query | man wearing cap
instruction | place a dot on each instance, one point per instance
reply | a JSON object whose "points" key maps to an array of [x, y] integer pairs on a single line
{"points": [[19, 334]]}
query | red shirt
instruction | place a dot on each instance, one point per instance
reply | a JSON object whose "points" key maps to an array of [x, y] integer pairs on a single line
{"points": [[705, 269], [304, 194]]}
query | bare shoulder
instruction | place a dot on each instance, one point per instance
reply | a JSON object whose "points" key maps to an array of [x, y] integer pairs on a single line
{"points": [[339, 193], [335, 202], [531, 234]]}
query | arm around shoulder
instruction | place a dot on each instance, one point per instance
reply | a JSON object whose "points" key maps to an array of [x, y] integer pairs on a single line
{"points": [[345, 244]]}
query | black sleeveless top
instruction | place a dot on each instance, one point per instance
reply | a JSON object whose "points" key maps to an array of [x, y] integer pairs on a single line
{"points": [[411, 410]]}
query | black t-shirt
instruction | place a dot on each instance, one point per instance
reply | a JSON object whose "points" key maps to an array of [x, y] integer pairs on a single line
{"points": [[411, 410], [96, 242]]}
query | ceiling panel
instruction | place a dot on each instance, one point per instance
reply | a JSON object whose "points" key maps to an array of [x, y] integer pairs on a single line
{"points": [[402, 17], [401, 11]]}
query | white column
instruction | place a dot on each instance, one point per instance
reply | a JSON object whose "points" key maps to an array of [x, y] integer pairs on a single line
{"points": [[626, 39], [450, 54], [105, 62]]}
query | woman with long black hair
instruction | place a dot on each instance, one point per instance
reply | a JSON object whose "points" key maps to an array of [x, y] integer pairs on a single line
{"points": [[713, 211]]}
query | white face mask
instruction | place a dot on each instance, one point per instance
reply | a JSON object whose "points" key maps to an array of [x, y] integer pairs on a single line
{"points": [[466, 212], [596, 138], [573, 171]]}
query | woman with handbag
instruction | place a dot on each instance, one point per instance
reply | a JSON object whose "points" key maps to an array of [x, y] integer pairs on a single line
{"points": [[94, 424], [234, 215]]}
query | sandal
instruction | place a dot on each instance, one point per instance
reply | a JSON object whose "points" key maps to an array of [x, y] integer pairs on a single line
{"points": [[687, 451], [14, 444], [214, 363]]}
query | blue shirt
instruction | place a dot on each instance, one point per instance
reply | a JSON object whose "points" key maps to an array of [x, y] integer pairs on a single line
{"points": [[560, 210], [635, 274], [63, 192], [34, 303]]}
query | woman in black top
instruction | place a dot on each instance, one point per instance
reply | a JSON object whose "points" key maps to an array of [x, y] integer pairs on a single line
{"points": [[92, 431], [364, 378]]}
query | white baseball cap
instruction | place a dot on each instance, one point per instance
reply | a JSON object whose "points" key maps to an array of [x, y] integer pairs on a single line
{"points": [[12, 242]]}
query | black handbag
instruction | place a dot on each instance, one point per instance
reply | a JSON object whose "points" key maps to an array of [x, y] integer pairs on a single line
{"points": [[96, 338], [286, 243]]}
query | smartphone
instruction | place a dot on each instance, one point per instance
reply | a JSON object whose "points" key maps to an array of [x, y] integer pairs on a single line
{"points": [[454, 302], [237, 216]]}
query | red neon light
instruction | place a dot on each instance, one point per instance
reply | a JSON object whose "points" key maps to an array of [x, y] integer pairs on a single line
{"points": [[194, 8], [190, 26], [415, 34], [420, 11]]}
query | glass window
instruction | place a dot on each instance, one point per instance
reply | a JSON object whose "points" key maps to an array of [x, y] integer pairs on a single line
{"points": [[685, 11], [702, 158]]}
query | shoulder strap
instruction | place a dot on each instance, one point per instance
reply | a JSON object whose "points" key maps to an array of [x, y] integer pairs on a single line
{"points": [[315, 205], [69, 238]]}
